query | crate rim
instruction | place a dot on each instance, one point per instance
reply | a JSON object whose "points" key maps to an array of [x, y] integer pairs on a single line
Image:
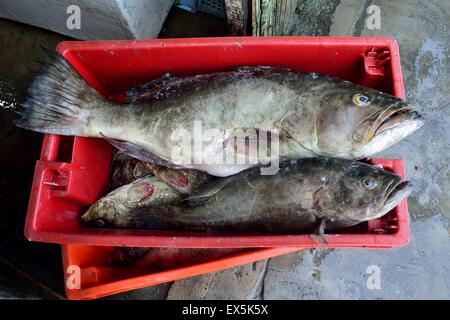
{"points": [[401, 238]]}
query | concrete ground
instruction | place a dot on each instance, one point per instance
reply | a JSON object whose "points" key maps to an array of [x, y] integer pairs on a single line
{"points": [[419, 270]]}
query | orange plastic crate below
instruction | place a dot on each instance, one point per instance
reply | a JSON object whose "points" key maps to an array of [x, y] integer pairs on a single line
{"points": [[99, 278]]}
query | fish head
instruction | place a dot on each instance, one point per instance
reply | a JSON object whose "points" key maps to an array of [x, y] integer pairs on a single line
{"points": [[356, 122], [113, 209], [366, 192], [103, 213]]}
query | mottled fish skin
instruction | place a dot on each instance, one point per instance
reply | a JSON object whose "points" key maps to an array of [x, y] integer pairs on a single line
{"points": [[113, 210], [315, 115], [134, 187], [303, 195], [125, 169], [185, 181]]}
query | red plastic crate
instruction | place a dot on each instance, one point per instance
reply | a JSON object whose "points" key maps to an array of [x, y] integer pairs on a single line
{"points": [[64, 184], [99, 278]]}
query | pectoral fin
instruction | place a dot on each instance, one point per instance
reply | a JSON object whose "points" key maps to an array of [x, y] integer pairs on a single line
{"points": [[138, 152], [207, 192]]}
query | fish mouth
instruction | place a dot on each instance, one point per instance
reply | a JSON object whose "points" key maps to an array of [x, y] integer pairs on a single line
{"points": [[96, 222], [398, 191], [91, 219], [398, 118], [387, 127], [395, 117]]}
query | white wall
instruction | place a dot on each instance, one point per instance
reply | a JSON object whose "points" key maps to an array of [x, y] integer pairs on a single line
{"points": [[100, 19]]}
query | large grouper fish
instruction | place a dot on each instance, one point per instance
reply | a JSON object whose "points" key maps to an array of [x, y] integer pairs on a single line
{"points": [[311, 195], [308, 115]]}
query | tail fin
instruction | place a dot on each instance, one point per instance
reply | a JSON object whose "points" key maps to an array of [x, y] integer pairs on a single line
{"points": [[58, 100]]}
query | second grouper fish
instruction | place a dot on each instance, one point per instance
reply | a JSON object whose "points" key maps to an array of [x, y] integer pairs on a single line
{"points": [[306, 196]]}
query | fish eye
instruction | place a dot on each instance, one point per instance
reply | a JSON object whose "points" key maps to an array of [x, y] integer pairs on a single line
{"points": [[100, 223], [361, 100], [368, 182]]}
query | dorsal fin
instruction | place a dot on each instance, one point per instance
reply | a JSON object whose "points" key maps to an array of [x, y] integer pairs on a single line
{"points": [[262, 70], [171, 86], [167, 86]]}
